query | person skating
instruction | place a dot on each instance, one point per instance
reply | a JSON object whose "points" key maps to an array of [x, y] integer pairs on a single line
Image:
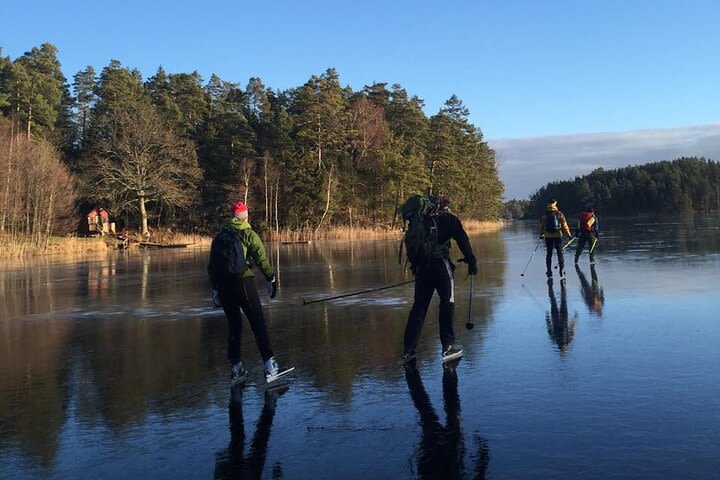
{"points": [[552, 227], [235, 251], [433, 271], [587, 233]]}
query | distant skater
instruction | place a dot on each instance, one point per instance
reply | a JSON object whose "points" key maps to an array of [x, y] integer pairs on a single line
{"points": [[587, 234], [235, 251], [552, 227], [427, 240]]}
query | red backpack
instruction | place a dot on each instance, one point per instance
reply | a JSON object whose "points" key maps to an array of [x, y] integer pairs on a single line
{"points": [[587, 221]]}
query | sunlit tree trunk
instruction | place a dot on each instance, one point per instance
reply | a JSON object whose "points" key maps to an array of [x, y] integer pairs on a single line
{"points": [[327, 202], [48, 224], [143, 215], [267, 198], [29, 119], [6, 195], [277, 192]]}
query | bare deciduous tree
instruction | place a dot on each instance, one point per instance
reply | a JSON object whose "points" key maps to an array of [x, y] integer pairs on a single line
{"points": [[39, 191], [137, 158]]}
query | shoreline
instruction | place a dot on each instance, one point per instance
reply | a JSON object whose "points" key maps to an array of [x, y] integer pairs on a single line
{"points": [[81, 246]]}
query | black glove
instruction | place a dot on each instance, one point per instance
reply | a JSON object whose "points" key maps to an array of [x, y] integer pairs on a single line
{"points": [[272, 287], [542, 236], [577, 233], [597, 234], [471, 263]]}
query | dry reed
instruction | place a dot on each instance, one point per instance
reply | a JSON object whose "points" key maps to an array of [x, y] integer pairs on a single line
{"points": [[367, 233], [19, 247], [81, 245]]}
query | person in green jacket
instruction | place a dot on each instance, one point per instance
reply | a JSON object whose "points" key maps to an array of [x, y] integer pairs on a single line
{"points": [[237, 293]]}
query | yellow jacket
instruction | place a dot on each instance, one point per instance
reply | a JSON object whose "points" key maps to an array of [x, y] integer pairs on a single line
{"points": [[564, 227]]}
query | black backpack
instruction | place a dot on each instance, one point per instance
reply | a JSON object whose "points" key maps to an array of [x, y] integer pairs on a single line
{"points": [[420, 239], [227, 256], [552, 224]]}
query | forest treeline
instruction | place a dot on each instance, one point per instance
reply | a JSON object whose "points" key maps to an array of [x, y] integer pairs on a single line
{"points": [[682, 185], [173, 150]]}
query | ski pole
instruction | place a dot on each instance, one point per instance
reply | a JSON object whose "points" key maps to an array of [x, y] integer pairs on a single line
{"points": [[593, 245], [306, 302], [565, 246], [531, 257], [568, 243], [469, 325]]}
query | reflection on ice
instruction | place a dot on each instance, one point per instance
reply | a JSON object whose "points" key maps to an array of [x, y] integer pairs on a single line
{"points": [[560, 328], [592, 293], [115, 366], [375, 301]]}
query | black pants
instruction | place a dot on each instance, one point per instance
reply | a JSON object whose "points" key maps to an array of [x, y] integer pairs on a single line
{"points": [[550, 244], [438, 275], [240, 294], [588, 239]]}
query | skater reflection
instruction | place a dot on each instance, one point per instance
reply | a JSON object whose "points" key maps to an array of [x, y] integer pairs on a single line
{"points": [[592, 293], [442, 448], [232, 464], [561, 331]]}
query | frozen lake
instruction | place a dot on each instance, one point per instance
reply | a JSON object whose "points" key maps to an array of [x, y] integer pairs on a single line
{"points": [[116, 367]]}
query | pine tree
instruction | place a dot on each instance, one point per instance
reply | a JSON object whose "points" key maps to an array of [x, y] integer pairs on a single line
{"points": [[118, 87], [37, 88], [84, 85]]}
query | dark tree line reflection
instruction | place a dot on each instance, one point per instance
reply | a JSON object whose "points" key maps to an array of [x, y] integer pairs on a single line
{"points": [[122, 337]]}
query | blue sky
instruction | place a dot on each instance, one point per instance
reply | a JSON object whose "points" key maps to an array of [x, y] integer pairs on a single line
{"points": [[523, 68]]}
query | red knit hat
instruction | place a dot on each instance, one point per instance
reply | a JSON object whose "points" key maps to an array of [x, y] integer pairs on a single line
{"points": [[239, 209]]}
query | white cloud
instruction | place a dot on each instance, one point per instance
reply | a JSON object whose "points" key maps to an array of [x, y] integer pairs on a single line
{"points": [[526, 164]]}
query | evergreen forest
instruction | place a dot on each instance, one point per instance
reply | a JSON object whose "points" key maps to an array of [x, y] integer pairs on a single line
{"points": [[682, 185], [175, 149]]}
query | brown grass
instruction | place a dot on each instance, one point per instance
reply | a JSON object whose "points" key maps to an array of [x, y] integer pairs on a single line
{"points": [[478, 226], [81, 245], [368, 233], [168, 236], [57, 245]]}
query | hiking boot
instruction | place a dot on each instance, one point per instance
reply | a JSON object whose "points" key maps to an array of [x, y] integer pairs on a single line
{"points": [[452, 352], [238, 374]]}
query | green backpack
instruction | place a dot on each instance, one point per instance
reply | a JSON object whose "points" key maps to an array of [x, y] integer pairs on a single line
{"points": [[419, 212]]}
